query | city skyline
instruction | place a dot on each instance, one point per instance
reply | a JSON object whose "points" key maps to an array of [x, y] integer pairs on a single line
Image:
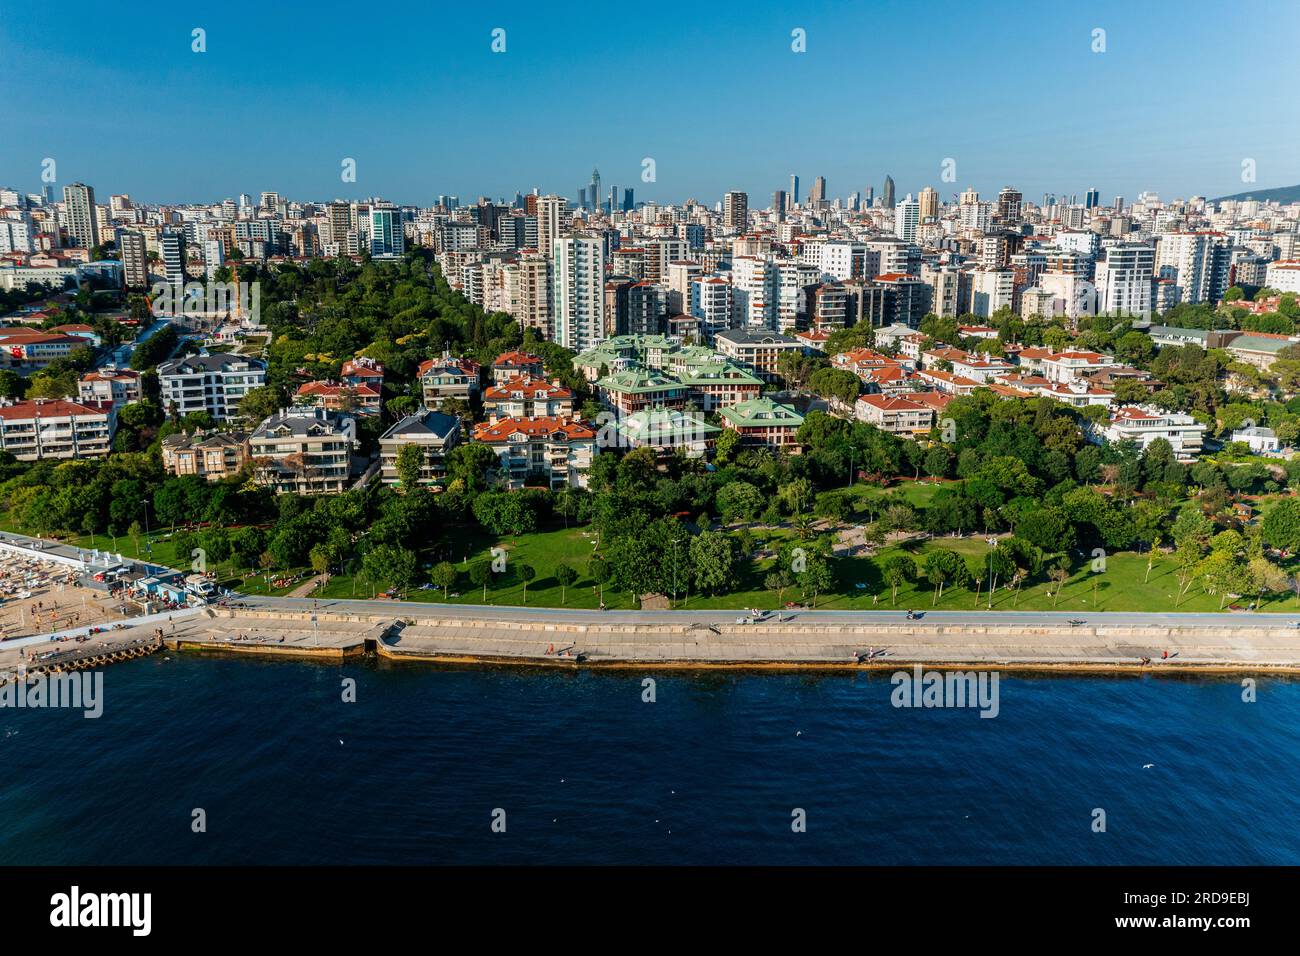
{"points": [[1139, 115]]}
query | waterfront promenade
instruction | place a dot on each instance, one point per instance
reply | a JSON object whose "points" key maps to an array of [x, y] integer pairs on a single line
{"points": [[408, 631]]}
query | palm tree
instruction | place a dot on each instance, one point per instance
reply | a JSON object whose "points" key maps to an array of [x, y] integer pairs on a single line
{"points": [[1018, 579], [1059, 575], [1151, 556]]}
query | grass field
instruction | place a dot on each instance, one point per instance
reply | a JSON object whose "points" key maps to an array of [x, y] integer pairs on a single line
{"points": [[859, 583]]}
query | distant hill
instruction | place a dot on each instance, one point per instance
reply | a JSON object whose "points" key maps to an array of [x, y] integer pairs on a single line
{"points": [[1282, 194]]}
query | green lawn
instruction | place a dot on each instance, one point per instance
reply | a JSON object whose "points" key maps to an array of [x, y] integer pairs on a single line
{"points": [[1120, 587], [918, 494]]}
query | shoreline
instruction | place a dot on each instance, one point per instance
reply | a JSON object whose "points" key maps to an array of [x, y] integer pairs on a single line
{"points": [[674, 641], [1043, 667]]}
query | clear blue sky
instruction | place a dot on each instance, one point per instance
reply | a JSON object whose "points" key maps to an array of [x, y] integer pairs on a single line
{"points": [[411, 90]]}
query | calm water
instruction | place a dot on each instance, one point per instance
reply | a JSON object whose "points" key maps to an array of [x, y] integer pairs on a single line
{"points": [[588, 773]]}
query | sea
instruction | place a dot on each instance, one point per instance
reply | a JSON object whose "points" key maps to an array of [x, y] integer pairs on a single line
{"points": [[201, 759]]}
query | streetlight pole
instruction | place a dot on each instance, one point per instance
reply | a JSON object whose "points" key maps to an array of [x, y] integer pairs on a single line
{"points": [[992, 543]]}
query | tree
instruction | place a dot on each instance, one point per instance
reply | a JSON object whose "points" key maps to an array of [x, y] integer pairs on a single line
{"points": [[739, 501], [261, 403], [778, 581], [387, 562], [712, 558], [1059, 573], [480, 574], [816, 576], [796, 495], [320, 558], [443, 575], [566, 576], [526, 573], [1186, 557], [726, 447], [898, 570], [837, 384], [940, 567], [1282, 525], [1266, 576], [937, 461], [599, 571], [975, 572], [410, 462]]}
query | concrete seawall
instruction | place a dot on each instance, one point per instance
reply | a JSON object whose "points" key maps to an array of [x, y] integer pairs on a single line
{"points": [[433, 635], [420, 633]]}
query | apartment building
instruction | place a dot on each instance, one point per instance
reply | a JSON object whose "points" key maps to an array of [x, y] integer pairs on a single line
{"points": [[340, 397], [553, 450], [633, 389], [896, 415], [526, 397], [56, 428], [1144, 424], [211, 455], [213, 383], [719, 385], [116, 386], [363, 371], [303, 450], [436, 434], [668, 430], [447, 377], [762, 421], [760, 352], [511, 365]]}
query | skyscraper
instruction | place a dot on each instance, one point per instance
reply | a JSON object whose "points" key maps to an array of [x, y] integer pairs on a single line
{"points": [[1092, 198], [550, 222], [794, 190], [887, 194], [735, 210], [135, 261], [818, 190], [339, 217], [907, 215], [778, 203], [929, 201], [172, 249], [386, 238], [595, 188], [79, 204], [628, 205], [1010, 202], [578, 291]]}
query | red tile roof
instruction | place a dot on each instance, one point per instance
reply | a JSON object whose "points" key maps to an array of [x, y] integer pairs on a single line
{"points": [[539, 427]]}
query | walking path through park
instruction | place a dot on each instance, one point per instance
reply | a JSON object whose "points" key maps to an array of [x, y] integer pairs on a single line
{"points": [[305, 589]]}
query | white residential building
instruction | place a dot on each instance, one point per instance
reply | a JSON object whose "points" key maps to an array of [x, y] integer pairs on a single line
{"points": [[1145, 424], [578, 292], [209, 383]]}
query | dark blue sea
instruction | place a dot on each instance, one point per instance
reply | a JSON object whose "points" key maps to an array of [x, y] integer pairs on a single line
{"points": [[587, 772]]}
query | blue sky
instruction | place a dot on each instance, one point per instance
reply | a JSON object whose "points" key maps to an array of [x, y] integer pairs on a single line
{"points": [[713, 93]]}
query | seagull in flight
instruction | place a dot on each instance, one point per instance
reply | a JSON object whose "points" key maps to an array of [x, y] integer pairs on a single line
{"points": [[1147, 766]]}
